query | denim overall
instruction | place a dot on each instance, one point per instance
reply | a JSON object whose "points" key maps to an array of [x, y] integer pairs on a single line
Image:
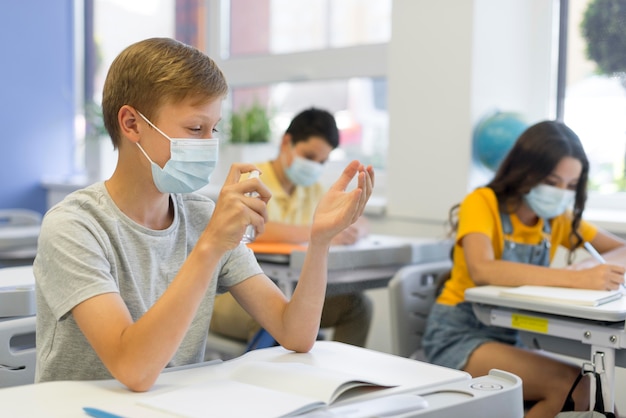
{"points": [[536, 254], [454, 332]]}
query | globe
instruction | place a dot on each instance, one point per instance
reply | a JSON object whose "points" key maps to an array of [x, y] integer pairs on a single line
{"points": [[494, 136]]}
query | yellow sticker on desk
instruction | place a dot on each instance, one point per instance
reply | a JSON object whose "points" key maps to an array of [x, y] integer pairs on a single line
{"points": [[529, 323]]}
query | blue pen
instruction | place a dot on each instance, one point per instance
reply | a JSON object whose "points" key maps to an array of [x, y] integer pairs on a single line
{"points": [[99, 413]]}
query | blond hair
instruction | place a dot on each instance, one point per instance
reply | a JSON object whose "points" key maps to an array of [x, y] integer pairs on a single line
{"points": [[156, 71]]}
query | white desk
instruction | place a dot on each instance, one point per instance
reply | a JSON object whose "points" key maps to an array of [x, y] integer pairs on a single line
{"points": [[449, 393], [339, 281], [368, 264], [595, 333]]}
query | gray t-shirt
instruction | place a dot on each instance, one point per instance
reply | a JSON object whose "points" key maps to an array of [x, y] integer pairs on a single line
{"points": [[88, 247]]}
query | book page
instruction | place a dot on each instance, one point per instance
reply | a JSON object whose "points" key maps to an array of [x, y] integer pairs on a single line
{"points": [[301, 379], [229, 398], [260, 389], [563, 295]]}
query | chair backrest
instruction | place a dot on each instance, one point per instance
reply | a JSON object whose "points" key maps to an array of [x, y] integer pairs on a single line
{"points": [[223, 347], [19, 230], [18, 217], [17, 351], [412, 292]]}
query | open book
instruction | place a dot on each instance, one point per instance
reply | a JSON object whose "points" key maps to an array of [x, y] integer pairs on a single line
{"points": [[563, 295], [263, 389]]}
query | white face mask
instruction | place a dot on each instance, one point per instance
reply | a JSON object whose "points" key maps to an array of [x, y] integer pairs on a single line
{"points": [[303, 172], [549, 201], [190, 166]]}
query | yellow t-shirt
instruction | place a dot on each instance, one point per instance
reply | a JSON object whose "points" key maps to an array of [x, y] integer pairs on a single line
{"points": [[294, 209], [479, 213]]}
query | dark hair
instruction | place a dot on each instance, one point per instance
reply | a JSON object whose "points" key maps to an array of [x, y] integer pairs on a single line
{"points": [[533, 157], [314, 122]]}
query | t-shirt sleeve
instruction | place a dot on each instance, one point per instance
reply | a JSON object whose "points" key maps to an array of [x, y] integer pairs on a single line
{"points": [[477, 214], [71, 265], [240, 265], [588, 231]]}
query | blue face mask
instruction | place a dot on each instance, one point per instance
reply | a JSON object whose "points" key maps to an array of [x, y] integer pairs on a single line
{"points": [[303, 172], [190, 166], [549, 201]]}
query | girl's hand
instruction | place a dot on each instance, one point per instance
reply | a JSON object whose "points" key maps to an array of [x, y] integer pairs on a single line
{"points": [[601, 277]]}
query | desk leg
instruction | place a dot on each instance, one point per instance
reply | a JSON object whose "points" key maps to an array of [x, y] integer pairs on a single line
{"points": [[603, 359]]}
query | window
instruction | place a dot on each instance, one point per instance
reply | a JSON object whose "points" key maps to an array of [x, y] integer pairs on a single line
{"points": [[358, 105], [593, 97], [292, 55], [287, 26], [109, 26], [288, 55]]}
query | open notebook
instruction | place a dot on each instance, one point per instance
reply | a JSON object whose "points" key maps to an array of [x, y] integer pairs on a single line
{"points": [[263, 389], [562, 295]]}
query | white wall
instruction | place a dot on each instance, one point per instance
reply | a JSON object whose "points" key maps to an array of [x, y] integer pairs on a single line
{"points": [[450, 61]]}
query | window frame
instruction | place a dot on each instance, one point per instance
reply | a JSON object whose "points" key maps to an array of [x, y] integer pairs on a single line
{"points": [[322, 64]]}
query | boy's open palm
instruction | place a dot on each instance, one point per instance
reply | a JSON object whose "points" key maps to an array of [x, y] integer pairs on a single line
{"points": [[339, 208]]}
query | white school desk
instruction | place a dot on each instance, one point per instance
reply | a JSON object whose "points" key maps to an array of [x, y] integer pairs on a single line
{"points": [[370, 263], [449, 393], [339, 281], [596, 333]]}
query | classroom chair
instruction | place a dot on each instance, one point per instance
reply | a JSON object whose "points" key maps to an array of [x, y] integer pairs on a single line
{"points": [[17, 351], [225, 348], [19, 230], [412, 292]]}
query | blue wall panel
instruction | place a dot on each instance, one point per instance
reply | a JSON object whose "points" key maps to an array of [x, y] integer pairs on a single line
{"points": [[36, 98]]}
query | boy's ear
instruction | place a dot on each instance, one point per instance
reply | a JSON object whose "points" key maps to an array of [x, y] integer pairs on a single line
{"points": [[286, 142], [127, 119]]}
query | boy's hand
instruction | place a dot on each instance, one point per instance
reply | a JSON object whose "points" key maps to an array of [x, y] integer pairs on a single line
{"points": [[338, 208], [234, 210], [352, 233]]}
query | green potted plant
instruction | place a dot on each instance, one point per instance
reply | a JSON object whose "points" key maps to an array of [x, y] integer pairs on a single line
{"points": [[603, 29], [249, 125], [248, 139]]}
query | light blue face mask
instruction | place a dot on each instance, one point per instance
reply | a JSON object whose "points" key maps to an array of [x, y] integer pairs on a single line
{"points": [[303, 172], [190, 166], [549, 201]]}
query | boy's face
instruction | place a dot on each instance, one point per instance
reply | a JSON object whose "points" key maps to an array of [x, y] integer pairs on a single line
{"points": [[182, 120], [313, 149]]}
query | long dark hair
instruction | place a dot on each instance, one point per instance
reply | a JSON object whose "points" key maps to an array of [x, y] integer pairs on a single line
{"points": [[533, 157]]}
